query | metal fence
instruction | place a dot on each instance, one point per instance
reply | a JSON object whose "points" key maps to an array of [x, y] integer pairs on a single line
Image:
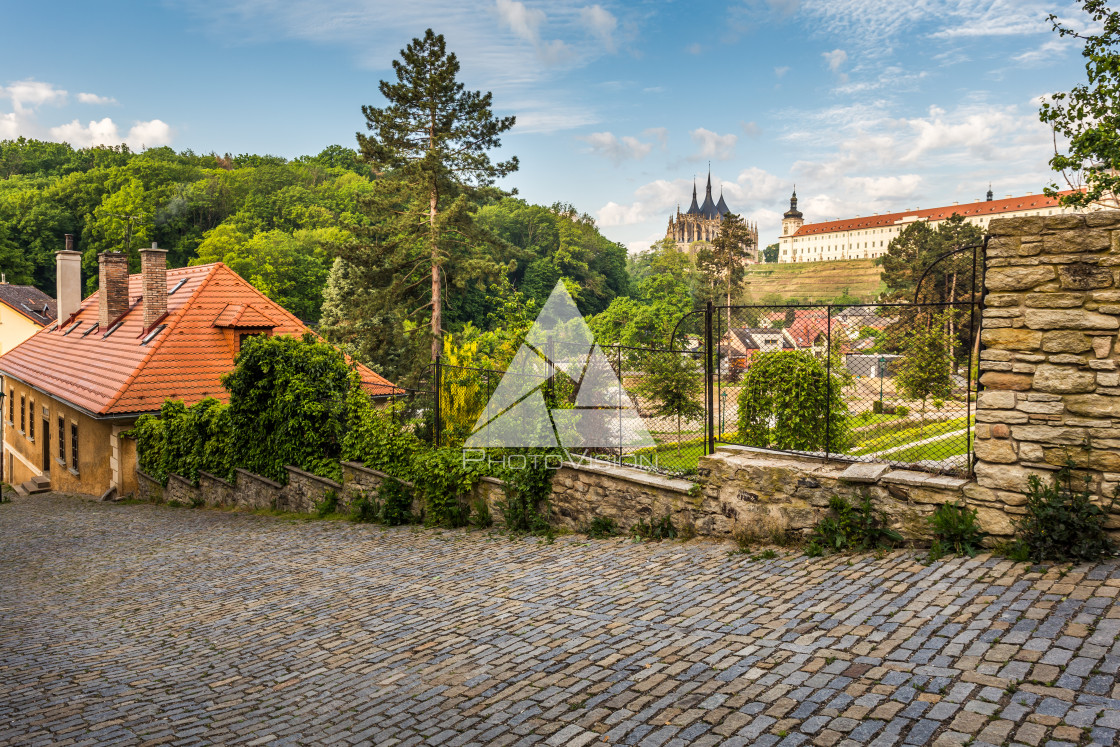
{"points": [[885, 383], [890, 383]]}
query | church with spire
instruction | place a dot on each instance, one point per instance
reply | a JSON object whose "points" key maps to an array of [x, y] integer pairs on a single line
{"points": [[701, 222]]}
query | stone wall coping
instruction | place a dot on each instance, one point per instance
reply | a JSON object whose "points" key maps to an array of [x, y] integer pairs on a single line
{"points": [[358, 466], [172, 476], [493, 481], [635, 475], [209, 476], [146, 476], [258, 478], [326, 481], [740, 449], [923, 480]]}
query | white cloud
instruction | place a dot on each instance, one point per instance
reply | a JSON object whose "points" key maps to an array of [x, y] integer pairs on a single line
{"points": [[750, 129], [835, 59], [534, 116], [617, 149], [9, 126], [780, 72], [105, 132], [93, 98], [31, 94], [601, 24], [1044, 53], [713, 145], [694, 48], [658, 133], [526, 23]]}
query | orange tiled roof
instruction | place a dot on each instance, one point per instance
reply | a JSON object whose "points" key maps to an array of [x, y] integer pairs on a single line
{"points": [[967, 210], [120, 374], [244, 316]]}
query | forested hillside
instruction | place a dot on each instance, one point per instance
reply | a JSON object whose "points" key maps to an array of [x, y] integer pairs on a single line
{"points": [[281, 224]]}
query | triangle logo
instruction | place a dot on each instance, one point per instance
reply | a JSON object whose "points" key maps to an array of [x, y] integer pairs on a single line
{"points": [[603, 415]]}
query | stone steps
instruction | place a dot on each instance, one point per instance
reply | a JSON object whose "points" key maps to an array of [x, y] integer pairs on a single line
{"points": [[37, 484]]}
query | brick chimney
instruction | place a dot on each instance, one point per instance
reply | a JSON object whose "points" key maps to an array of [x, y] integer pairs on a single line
{"points": [[153, 268], [113, 290], [68, 284]]}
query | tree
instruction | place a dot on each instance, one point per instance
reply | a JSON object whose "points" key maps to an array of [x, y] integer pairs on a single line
{"points": [[1088, 116], [770, 253], [724, 263], [435, 135], [926, 369], [674, 384], [786, 399]]}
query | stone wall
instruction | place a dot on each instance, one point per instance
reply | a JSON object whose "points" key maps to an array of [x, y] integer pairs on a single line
{"points": [[1050, 377], [304, 490], [754, 487], [583, 492]]}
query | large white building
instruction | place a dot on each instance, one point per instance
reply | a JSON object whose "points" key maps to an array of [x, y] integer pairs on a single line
{"points": [[868, 237]]}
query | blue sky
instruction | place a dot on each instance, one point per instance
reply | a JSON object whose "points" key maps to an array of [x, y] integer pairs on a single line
{"points": [[868, 105]]}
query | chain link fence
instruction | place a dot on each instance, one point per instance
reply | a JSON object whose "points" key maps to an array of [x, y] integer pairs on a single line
{"points": [[889, 383]]}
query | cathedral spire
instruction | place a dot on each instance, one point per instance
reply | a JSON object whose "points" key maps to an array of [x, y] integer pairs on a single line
{"points": [[693, 209]]}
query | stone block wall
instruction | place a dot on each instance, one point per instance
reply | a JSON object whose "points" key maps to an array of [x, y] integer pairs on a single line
{"points": [[583, 492], [747, 486], [304, 490], [1050, 357]]}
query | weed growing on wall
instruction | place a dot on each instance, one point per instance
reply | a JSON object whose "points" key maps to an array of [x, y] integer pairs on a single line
{"points": [[956, 529], [851, 528], [1062, 521]]}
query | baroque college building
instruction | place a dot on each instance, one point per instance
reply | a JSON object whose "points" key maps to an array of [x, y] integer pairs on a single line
{"points": [[868, 237], [701, 222]]}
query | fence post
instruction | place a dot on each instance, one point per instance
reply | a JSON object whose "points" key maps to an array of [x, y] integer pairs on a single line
{"points": [[828, 385], [438, 435], [709, 387]]}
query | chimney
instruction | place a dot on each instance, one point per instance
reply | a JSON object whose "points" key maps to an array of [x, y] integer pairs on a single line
{"points": [[153, 268], [68, 280], [113, 291]]}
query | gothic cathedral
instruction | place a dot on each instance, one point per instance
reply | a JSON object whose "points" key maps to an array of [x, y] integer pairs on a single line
{"points": [[701, 222]]}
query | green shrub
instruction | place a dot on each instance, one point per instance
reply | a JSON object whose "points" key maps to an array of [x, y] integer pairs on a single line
{"points": [[525, 505], [956, 529], [395, 501], [761, 529], [661, 529], [444, 482], [365, 510], [480, 513], [1062, 522], [851, 528], [602, 527], [785, 399], [901, 411], [328, 505], [877, 407]]}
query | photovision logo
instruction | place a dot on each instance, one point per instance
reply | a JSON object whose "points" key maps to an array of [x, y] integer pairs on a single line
{"points": [[517, 416]]}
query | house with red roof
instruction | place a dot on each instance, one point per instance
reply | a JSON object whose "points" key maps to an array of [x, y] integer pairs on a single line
{"points": [[74, 387]]}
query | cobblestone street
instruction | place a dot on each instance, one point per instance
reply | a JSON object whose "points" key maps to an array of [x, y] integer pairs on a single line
{"points": [[130, 624]]}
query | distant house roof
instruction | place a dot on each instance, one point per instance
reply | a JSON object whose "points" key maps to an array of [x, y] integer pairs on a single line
{"points": [[808, 325], [754, 338], [967, 210], [29, 301], [127, 369]]}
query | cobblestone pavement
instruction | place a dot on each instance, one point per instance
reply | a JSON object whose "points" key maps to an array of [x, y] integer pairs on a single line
{"points": [[146, 624]]}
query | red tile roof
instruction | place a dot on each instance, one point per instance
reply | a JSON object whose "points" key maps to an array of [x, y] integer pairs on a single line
{"points": [[121, 374], [967, 210]]}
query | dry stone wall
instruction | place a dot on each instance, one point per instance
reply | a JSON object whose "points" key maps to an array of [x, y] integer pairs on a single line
{"points": [[1050, 358]]}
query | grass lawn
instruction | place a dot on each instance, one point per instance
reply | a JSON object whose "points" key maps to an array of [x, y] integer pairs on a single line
{"points": [[946, 447], [884, 439]]}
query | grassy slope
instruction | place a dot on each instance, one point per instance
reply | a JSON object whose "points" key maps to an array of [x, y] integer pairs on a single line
{"points": [[815, 280]]}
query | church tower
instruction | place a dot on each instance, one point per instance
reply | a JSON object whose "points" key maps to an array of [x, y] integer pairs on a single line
{"points": [[701, 223], [792, 220]]}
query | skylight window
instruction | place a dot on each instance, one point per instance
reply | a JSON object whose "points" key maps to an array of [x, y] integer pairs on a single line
{"points": [[152, 335], [178, 285]]}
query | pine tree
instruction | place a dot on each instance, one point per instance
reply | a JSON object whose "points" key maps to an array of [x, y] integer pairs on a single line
{"points": [[724, 263], [434, 136]]}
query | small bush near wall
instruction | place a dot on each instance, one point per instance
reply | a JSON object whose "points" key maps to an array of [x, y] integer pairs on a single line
{"points": [[851, 528], [956, 529], [1062, 522]]}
